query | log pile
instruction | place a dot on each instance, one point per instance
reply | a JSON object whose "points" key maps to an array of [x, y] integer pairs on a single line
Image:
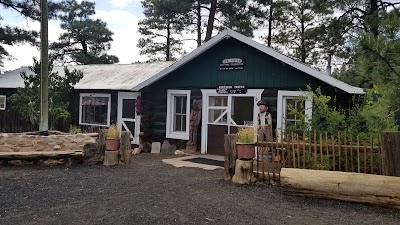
{"points": [[352, 187]]}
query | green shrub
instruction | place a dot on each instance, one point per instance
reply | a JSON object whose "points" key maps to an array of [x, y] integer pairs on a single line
{"points": [[113, 132], [246, 135], [74, 130]]}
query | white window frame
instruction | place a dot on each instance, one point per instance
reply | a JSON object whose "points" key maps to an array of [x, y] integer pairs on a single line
{"points": [[95, 95], [282, 95], [5, 102], [170, 116]]}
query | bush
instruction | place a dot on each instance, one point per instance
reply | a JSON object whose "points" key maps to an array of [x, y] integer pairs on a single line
{"points": [[246, 135], [113, 132]]}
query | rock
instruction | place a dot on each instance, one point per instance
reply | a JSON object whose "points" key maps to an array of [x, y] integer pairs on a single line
{"points": [[171, 150], [145, 147], [57, 147], [179, 152], [155, 147], [165, 146], [92, 155], [136, 151]]}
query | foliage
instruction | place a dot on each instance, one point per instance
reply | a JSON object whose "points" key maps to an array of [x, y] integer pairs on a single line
{"points": [[367, 116], [74, 130], [14, 35], [246, 135], [27, 99], [297, 28], [113, 132], [85, 40], [165, 20]]}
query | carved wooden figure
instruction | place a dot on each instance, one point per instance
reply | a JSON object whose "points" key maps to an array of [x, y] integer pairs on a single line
{"points": [[195, 117]]}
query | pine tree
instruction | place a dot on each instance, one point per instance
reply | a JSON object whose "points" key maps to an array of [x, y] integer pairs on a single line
{"points": [[162, 27], [86, 40], [14, 35], [296, 26]]}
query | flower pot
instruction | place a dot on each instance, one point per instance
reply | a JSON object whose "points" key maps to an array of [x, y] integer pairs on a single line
{"points": [[112, 144], [245, 151]]}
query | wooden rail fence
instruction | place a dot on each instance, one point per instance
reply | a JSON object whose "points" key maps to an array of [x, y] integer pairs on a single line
{"points": [[339, 152]]}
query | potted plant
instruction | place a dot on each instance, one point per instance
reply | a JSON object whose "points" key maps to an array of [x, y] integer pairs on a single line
{"points": [[112, 138], [246, 143]]}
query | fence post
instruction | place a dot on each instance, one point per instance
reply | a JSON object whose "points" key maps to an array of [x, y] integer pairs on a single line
{"points": [[230, 155], [391, 153]]}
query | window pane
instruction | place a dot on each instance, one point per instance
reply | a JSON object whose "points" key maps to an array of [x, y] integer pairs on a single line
{"points": [[290, 105], [128, 108], [95, 110], [131, 127], [218, 101], [242, 110], [180, 104], [215, 113], [178, 124]]}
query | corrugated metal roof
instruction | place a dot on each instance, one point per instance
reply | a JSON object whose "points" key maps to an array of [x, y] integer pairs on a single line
{"points": [[102, 77]]}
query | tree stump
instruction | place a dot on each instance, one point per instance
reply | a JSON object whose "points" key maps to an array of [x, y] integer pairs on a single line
{"points": [[101, 141], [243, 172], [391, 153], [111, 158], [125, 148]]}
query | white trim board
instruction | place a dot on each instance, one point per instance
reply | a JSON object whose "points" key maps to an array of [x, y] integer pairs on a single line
{"points": [[280, 115], [121, 121], [226, 34], [206, 93], [170, 116], [95, 95]]}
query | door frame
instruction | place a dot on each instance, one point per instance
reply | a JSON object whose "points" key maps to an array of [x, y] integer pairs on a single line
{"points": [[206, 93], [128, 95]]}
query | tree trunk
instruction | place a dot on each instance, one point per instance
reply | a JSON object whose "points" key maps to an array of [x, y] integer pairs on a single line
{"points": [[125, 149], [243, 172], [270, 20], [111, 158], [352, 187], [211, 18], [168, 47], [198, 23], [303, 41], [373, 18], [391, 153]]}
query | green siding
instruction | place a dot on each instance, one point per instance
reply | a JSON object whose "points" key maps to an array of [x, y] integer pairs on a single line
{"points": [[261, 71]]}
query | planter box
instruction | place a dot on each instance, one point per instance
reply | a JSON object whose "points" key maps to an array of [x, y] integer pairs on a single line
{"points": [[112, 145], [245, 151]]}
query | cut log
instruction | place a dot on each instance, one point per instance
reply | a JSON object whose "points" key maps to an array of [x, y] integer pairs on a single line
{"points": [[126, 152], [391, 153], [101, 141], [111, 158], [352, 187], [40, 155], [243, 172]]}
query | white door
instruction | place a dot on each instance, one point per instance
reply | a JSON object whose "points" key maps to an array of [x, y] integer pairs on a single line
{"points": [[128, 120], [225, 114]]}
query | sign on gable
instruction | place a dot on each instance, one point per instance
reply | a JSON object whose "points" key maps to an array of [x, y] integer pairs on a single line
{"points": [[232, 64]]}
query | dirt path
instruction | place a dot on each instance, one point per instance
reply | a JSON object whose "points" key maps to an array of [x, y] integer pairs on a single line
{"points": [[151, 192]]}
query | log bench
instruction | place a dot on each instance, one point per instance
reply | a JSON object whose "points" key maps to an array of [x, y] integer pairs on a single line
{"points": [[72, 155]]}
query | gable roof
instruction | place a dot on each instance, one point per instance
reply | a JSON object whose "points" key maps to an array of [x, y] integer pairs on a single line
{"points": [[283, 58], [102, 77]]}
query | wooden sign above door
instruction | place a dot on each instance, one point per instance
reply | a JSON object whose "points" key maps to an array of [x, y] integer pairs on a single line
{"points": [[231, 89]]}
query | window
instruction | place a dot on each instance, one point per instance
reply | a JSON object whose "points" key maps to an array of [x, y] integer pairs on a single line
{"points": [[288, 100], [292, 103], [95, 109], [218, 110], [178, 114], [2, 102]]}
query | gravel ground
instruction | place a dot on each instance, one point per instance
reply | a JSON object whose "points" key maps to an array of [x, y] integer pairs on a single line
{"points": [[151, 192]]}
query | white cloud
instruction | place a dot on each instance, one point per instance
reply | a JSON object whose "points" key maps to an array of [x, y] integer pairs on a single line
{"points": [[124, 25], [120, 4]]}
